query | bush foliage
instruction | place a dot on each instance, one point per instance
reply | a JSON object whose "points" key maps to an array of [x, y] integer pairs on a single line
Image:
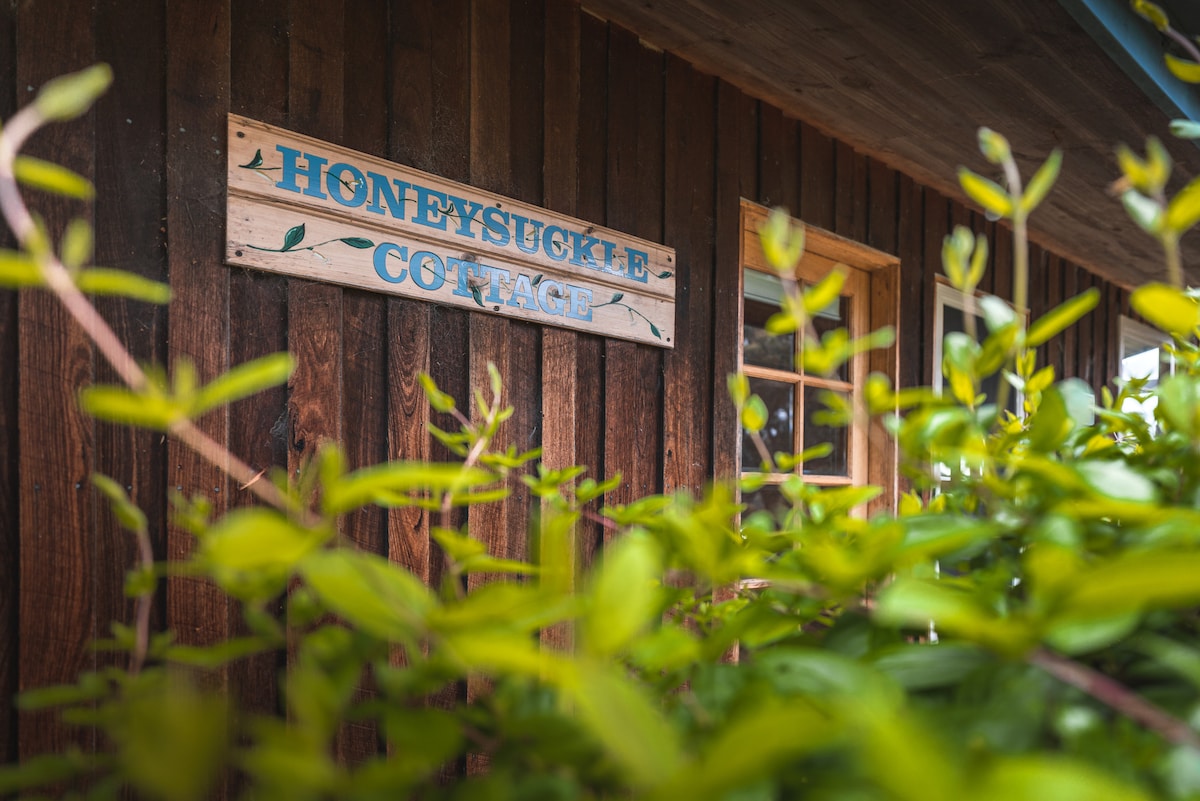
{"points": [[1024, 626]]}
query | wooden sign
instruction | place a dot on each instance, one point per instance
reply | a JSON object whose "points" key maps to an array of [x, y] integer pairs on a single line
{"points": [[310, 209]]}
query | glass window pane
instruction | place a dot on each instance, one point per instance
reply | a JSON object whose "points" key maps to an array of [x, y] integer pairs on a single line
{"points": [[767, 497], [763, 349], [837, 463], [778, 434], [835, 315]]}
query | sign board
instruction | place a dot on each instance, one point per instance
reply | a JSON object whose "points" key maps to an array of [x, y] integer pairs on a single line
{"points": [[310, 209]]}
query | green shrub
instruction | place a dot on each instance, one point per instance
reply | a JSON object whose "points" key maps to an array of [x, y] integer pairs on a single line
{"points": [[1024, 627]]}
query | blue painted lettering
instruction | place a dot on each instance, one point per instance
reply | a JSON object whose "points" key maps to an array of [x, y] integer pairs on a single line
{"points": [[430, 213], [495, 226], [637, 265], [463, 270], [311, 171], [381, 267], [380, 187], [581, 250], [527, 242], [554, 242], [522, 295], [550, 297], [464, 212], [428, 272], [579, 304], [336, 181]]}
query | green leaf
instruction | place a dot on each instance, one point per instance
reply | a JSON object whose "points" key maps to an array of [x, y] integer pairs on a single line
{"points": [[1061, 317], [754, 414], [625, 595], [357, 242], [617, 297], [440, 401], [994, 146], [382, 482], [1167, 308], [258, 539], [39, 770], [1046, 777], [120, 405], [18, 270], [76, 244], [1152, 12], [1185, 129], [654, 330], [1184, 70], [1183, 210], [782, 244], [665, 274], [368, 591], [825, 292], [128, 514], [293, 237], [69, 96], [50, 177], [1147, 213], [1116, 480], [106, 281], [926, 666], [988, 194], [243, 381], [1039, 186], [627, 723], [214, 656]]}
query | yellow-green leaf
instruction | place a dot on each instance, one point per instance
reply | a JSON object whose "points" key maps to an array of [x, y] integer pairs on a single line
{"points": [[50, 177], [988, 194], [1167, 308], [1042, 181], [68, 96], [243, 381], [826, 291], [1152, 12], [1061, 317], [1183, 211], [17, 270], [106, 281], [1182, 69]]}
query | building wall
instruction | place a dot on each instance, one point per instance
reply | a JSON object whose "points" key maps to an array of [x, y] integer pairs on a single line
{"points": [[530, 98]]}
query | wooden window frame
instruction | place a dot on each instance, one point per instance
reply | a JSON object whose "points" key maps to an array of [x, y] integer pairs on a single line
{"points": [[875, 279]]}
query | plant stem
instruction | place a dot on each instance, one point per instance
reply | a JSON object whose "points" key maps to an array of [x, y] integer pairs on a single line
{"points": [[59, 281], [1117, 696]]}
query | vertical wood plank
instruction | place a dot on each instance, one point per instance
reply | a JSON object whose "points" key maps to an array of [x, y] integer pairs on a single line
{"points": [[1003, 262], [1037, 293], [850, 200], [635, 148], [882, 233], [130, 236], [55, 440], [315, 314], [936, 225], [1112, 312], [818, 176], [1085, 362], [727, 282], [591, 200], [913, 335], [1054, 296], [690, 129], [258, 301], [771, 173], [561, 414], [10, 499], [1070, 337], [364, 346], [789, 166]]}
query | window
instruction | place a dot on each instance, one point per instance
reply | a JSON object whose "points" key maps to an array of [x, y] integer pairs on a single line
{"points": [[860, 453], [1143, 355], [951, 312]]}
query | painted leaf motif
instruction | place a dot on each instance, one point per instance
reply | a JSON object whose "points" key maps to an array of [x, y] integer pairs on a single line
{"points": [[358, 242], [257, 161], [475, 293], [293, 237], [665, 274], [654, 330], [537, 279]]}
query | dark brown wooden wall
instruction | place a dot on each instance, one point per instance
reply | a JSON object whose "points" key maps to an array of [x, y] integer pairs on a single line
{"points": [[530, 98]]}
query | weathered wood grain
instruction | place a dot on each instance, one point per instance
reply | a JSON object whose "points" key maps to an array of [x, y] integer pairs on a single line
{"points": [[10, 498], [687, 437], [55, 440]]}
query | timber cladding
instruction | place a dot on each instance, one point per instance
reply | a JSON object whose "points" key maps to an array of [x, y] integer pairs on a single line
{"points": [[529, 100]]}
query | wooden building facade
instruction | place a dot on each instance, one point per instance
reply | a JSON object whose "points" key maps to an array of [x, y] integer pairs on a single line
{"points": [[538, 100]]}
